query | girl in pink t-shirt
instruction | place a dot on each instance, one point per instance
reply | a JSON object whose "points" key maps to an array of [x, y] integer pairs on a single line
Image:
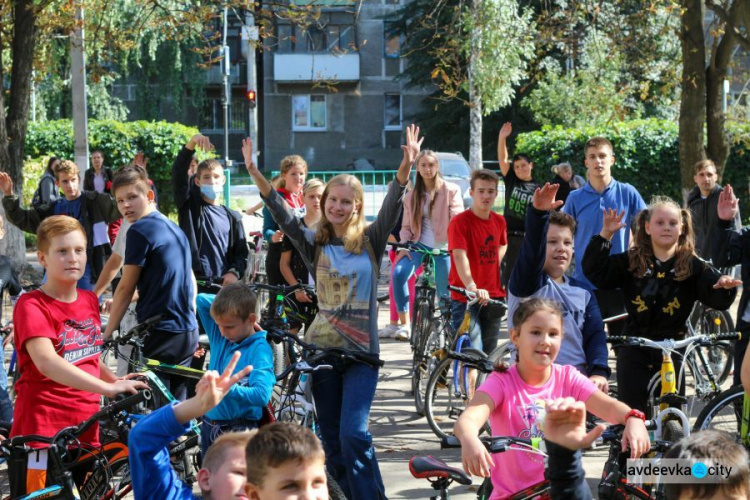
{"points": [[514, 399]]}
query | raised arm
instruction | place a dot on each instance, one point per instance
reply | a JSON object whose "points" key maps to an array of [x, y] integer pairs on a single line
{"points": [[604, 270], [181, 165], [25, 220], [502, 148]]}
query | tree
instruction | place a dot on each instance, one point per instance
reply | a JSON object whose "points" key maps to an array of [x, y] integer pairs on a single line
{"points": [[706, 58]]}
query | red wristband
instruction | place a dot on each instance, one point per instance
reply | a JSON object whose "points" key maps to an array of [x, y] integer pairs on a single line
{"points": [[635, 413]]}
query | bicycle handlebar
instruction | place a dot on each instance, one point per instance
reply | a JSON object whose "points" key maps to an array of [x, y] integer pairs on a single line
{"points": [[319, 353], [282, 289], [75, 431], [495, 444], [435, 252], [471, 296], [671, 344]]}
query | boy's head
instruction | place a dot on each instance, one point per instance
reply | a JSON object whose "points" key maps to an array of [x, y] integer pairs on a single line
{"points": [[61, 248], [223, 475], [560, 233], [209, 176], [483, 189], [522, 166], [720, 449], [132, 192], [704, 175], [285, 460], [97, 159], [233, 310], [599, 157], [66, 178]]}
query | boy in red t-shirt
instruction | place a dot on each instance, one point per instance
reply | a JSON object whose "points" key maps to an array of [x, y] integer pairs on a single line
{"points": [[58, 338], [477, 240]]}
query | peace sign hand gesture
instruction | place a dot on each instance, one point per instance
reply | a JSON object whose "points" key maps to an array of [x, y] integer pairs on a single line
{"points": [[612, 222]]}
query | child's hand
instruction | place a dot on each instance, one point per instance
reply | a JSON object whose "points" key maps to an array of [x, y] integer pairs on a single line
{"points": [[600, 382], [635, 437], [727, 207], [6, 184], [121, 386], [200, 141], [612, 222], [247, 154], [505, 130], [475, 458], [565, 424], [413, 144], [212, 387], [544, 197], [727, 283]]}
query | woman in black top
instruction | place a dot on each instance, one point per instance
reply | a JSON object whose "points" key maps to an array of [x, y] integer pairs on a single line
{"points": [[661, 278]]}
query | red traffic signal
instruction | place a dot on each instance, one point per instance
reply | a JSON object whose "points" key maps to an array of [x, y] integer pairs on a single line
{"points": [[251, 97]]}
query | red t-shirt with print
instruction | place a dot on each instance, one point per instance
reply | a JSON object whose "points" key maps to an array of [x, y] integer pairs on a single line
{"points": [[481, 240], [43, 406]]}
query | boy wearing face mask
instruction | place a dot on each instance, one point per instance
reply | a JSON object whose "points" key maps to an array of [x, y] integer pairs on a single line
{"points": [[215, 233]]}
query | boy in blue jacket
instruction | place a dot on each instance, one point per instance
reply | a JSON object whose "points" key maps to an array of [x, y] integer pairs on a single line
{"points": [[545, 257], [223, 474], [229, 320]]}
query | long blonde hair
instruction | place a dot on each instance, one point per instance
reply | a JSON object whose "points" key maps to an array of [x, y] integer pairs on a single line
{"points": [[420, 191], [642, 253], [354, 236]]}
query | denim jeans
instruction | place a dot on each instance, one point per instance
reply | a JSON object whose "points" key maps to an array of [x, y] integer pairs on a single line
{"points": [[405, 268], [212, 429], [484, 331], [343, 397]]}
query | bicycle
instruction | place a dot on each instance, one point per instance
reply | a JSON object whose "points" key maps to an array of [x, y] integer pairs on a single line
{"points": [[441, 476], [670, 405], [461, 370], [728, 411], [107, 471], [429, 353]]}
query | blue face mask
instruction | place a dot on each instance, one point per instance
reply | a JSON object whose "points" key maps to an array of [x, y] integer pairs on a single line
{"points": [[210, 191]]}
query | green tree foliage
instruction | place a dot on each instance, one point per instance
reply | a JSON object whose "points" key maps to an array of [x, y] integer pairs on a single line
{"points": [[646, 155]]}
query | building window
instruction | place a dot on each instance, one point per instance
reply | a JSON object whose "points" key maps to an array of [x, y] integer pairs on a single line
{"points": [[213, 115], [309, 112], [328, 35], [392, 112], [391, 41]]}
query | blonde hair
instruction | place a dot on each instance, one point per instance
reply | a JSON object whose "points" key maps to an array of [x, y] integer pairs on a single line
{"points": [[354, 236], [420, 190], [54, 226], [313, 185], [642, 254], [286, 165], [216, 453], [66, 167]]}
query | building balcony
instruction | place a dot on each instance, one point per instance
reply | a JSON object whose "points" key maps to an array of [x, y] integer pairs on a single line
{"points": [[314, 67]]}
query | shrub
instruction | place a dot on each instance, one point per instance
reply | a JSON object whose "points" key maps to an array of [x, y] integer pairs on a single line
{"points": [[119, 141], [646, 154]]}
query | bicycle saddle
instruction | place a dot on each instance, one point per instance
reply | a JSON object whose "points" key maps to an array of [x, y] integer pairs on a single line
{"points": [[428, 467]]}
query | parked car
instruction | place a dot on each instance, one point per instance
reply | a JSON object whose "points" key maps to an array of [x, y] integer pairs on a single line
{"points": [[454, 168]]}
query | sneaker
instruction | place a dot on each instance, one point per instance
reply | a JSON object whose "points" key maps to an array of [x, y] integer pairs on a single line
{"points": [[403, 333], [387, 332]]}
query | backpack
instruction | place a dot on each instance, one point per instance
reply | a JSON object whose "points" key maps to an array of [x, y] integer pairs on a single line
{"points": [[36, 201]]}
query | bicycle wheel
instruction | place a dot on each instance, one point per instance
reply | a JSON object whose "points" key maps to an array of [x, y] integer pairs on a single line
{"points": [[279, 357], [723, 412], [422, 320], [445, 398], [426, 360], [673, 431], [334, 490], [719, 356], [503, 353]]}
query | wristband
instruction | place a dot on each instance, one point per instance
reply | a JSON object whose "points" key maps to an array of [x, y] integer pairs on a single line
{"points": [[635, 413]]}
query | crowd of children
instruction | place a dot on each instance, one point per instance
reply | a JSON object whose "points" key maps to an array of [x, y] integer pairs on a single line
{"points": [[318, 235]]}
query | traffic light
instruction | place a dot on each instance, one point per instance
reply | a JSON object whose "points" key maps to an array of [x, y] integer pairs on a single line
{"points": [[251, 97]]}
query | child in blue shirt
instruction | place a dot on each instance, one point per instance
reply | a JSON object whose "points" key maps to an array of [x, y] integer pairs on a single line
{"points": [[229, 320]]}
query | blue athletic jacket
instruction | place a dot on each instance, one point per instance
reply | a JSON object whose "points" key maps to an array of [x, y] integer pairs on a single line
{"points": [[248, 397], [584, 342], [150, 469]]}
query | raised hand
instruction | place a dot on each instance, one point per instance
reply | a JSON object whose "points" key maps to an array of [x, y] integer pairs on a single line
{"points": [[139, 160], [413, 144], [727, 283], [727, 207], [247, 154], [200, 141], [612, 222], [544, 197], [6, 184], [505, 130], [565, 424]]}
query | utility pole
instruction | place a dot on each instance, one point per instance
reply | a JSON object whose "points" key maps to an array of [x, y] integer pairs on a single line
{"points": [[226, 101], [78, 89], [250, 35]]}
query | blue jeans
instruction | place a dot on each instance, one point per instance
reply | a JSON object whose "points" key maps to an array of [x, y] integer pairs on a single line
{"points": [[343, 397], [404, 270], [484, 331], [212, 429], [6, 407]]}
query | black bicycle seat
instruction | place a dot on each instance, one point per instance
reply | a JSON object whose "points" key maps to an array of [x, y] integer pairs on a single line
{"points": [[428, 467]]}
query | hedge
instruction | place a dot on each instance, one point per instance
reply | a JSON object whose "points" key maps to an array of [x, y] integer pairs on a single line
{"points": [[646, 154], [119, 141]]}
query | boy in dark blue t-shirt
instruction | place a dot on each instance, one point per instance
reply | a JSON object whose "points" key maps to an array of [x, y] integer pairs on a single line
{"points": [[157, 262]]}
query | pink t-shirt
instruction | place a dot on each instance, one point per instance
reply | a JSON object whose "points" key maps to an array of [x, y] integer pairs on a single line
{"points": [[519, 411]]}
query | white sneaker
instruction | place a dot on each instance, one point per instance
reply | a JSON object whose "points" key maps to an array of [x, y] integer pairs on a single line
{"points": [[403, 333], [387, 332]]}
